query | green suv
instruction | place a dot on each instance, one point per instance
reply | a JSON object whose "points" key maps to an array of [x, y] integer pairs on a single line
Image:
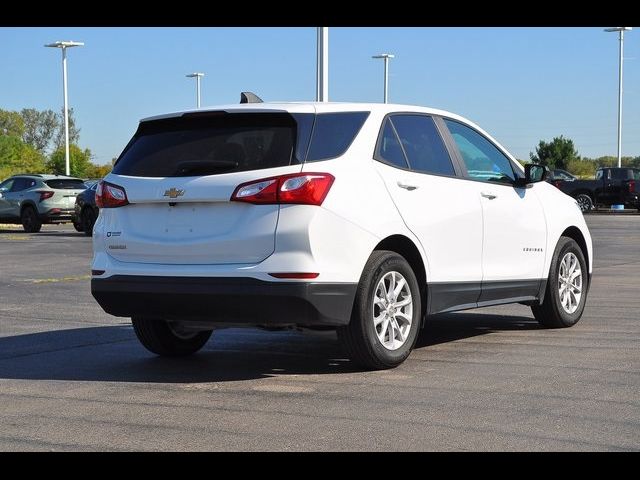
{"points": [[35, 199]]}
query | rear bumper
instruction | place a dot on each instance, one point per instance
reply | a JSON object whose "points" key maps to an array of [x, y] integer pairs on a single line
{"points": [[226, 300], [57, 215]]}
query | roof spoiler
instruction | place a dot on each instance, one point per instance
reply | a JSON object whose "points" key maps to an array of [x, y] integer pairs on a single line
{"points": [[249, 97]]}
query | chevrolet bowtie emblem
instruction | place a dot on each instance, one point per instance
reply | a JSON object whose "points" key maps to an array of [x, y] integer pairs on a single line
{"points": [[173, 193]]}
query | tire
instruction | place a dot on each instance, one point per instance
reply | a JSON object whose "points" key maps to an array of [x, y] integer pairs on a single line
{"points": [[87, 218], [77, 226], [585, 202], [159, 337], [30, 221], [552, 313], [379, 346]]}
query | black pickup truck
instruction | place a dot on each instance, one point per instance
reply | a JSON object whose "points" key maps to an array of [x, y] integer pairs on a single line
{"points": [[612, 186]]}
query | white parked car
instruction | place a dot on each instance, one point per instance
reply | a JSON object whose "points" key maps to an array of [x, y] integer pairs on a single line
{"points": [[363, 217]]}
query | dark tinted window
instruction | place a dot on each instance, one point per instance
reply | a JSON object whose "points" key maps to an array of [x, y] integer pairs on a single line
{"points": [[7, 184], [21, 184], [622, 174], [422, 144], [389, 149], [481, 157], [333, 133], [213, 143], [66, 184]]}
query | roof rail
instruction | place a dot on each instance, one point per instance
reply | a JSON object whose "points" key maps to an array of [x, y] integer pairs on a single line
{"points": [[249, 97]]}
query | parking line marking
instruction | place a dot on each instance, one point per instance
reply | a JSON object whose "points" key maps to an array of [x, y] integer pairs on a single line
{"points": [[15, 237], [63, 279]]}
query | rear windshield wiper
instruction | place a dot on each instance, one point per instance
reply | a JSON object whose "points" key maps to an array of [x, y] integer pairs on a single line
{"points": [[204, 167]]}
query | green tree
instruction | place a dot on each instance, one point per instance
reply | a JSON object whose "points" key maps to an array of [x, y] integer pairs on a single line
{"points": [[74, 131], [97, 171], [11, 123], [79, 161], [582, 168], [39, 127], [555, 154], [16, 157]]}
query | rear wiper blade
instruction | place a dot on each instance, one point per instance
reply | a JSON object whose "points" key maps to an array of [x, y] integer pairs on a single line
{"points": [[203, 167]]}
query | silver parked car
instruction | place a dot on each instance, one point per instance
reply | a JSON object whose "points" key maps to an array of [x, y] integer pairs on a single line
{"points": [[34, 199]]}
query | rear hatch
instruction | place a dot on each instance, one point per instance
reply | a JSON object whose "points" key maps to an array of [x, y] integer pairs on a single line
{"points": [[179, 174], [66, 191]]}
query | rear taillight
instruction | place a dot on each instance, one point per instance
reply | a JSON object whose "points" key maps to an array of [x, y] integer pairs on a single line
{"points": [[109, 195], [298, 188], [44, 194], [632, 186]]}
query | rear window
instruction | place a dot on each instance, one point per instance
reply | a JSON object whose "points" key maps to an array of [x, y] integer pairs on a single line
{"points": [[212, 143], [621, 174], [66, 184]]}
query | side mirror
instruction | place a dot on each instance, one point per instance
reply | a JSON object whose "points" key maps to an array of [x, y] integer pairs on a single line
{"points": [[533, 173]]}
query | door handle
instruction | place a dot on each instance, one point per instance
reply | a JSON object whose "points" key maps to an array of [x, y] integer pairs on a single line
{"points": [[406, 186], [488, 195]]}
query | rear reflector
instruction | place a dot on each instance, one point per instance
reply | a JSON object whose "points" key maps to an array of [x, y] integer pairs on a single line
{"points": [[109, 195], [305, 188], [307, 275]]}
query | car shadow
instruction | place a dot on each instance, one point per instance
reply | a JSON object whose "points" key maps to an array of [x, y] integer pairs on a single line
{"points": [[60, 234], [449, 327], [113, 354], [20, 231]]}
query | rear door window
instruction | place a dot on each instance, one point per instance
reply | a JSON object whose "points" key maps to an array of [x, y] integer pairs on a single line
{"points": [[422, 144], [21, 184], [389, 150]]}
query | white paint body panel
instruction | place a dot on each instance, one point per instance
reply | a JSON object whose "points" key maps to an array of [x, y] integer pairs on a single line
{"points": [[461, 236]]}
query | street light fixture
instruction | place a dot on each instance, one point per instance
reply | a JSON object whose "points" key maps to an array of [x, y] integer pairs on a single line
{"points": [[197, 76], [63, 46], [386, 57], [621, 31]]}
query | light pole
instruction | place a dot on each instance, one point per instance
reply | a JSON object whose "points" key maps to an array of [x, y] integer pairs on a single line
{"points": [[63, 46], [322, 64], [386, 57], [621, 31], [197, 76]]}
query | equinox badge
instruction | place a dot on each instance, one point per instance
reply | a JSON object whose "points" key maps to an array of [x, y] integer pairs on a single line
{"points": [[173, 193]]}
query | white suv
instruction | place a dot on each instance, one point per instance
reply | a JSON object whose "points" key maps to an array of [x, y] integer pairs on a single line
{"points": [[366, 218]]}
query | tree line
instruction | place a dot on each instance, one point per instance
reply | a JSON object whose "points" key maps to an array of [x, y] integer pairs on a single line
{"points": [[32, 141], [561, 153]]}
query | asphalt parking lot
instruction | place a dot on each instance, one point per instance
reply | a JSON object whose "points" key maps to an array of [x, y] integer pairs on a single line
{"points": [[75, 378]]}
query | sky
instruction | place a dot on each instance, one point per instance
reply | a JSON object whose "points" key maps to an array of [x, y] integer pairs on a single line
{"points": [[522, 85]]}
